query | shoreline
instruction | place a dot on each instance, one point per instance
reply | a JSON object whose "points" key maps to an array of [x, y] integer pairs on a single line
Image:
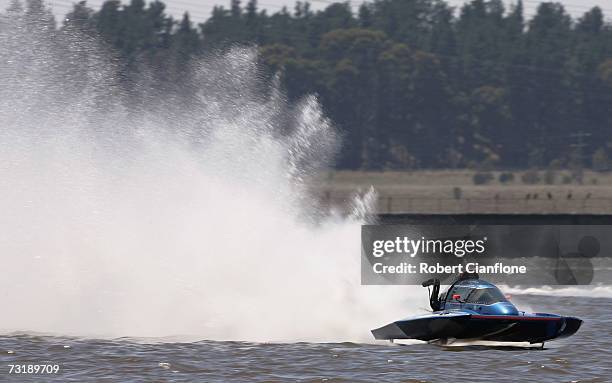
{"points": [[453, 191]]}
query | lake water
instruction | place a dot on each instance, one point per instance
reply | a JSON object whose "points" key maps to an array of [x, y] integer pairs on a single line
{"points": [[584, 357]]}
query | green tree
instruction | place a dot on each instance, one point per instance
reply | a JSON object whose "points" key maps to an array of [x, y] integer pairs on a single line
{"points": [[353, 54]]}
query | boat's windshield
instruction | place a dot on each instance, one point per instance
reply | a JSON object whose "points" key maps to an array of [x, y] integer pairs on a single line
{"points": [[486, 296]]}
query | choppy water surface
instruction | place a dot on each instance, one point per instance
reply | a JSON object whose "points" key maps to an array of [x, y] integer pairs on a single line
{"points": [[581, 358]]}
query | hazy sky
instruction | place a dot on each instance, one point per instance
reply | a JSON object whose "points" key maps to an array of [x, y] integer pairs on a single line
{"points": [[200, 9]]}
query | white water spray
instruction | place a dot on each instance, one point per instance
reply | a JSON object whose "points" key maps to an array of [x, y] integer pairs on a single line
{"points": [[183, 218]]}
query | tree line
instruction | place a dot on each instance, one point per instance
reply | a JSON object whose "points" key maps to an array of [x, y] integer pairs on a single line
{"points": [[409, 83]]}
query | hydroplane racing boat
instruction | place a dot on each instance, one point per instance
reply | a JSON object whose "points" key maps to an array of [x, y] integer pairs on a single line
{"points": [[473, 309]]}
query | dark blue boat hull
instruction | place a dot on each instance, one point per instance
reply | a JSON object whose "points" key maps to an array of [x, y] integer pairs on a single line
{"points": [[532, 328]]}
